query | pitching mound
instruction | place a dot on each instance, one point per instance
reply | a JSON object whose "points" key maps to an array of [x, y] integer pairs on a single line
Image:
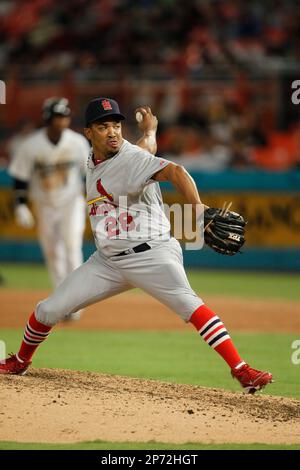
{"points": [[51, 405]]}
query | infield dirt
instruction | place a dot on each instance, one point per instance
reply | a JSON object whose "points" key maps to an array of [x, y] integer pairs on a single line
{"points": [[135, 311], [63, 406]]}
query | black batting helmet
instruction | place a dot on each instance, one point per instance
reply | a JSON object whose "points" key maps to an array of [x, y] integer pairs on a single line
{"points": [[55, 107]]}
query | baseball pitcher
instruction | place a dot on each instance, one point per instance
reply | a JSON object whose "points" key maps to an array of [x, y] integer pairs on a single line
{"points": [[134, 246]]}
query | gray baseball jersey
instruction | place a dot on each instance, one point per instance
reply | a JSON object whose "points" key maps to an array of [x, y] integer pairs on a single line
{"points": [[125, 204]]}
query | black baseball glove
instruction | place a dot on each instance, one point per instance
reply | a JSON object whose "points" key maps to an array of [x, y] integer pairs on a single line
{"points": [[224, 231]]}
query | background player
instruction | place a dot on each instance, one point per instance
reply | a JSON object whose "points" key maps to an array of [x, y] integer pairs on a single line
{"points": [[51, 162], [134, 247]]}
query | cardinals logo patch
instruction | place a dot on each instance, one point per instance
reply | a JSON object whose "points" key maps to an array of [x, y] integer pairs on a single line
{"points": [[106, 105]]}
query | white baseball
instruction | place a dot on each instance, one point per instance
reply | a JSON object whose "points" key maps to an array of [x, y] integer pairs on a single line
{"points": [[139, 116]]}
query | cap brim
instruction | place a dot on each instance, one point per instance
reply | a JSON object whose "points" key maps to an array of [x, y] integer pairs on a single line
{"points": [[102, 117]]}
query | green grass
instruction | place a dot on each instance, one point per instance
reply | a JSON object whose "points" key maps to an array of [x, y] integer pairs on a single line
{"points": [[246, 284], [25, 276], [99, 445], [180, 357], [229, 283]]}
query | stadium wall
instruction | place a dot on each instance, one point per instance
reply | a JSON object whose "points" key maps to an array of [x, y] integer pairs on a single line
{"points": [[269, 201]]}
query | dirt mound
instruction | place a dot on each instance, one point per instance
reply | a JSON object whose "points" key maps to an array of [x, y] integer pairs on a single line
{"points": [[51, 405]]}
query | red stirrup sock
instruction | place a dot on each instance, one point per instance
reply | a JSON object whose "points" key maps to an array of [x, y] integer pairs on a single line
{"points": [[35, 333], [213, 331]]}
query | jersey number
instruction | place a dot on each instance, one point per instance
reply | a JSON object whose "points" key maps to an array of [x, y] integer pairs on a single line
{"points": [[115, 225]]}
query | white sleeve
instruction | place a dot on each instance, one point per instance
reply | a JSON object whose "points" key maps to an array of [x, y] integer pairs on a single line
{"points": [[22, 163], [84, 151], [143, 167]]}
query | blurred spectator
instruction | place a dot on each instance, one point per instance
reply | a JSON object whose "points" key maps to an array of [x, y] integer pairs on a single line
{"points": [[207, 154], [178, 140], [213, 155], [241, 157]]}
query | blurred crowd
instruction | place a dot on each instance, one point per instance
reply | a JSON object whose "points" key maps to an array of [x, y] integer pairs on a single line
{"points": [[234, 125], [181, 35], [206, 130]]}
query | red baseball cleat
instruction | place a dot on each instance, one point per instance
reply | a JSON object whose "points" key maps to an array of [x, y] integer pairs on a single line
{"points": [[250, 379], [12, 365]]}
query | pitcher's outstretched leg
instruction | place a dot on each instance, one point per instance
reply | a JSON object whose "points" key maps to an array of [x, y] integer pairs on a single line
{"points": [[214, 333]]}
